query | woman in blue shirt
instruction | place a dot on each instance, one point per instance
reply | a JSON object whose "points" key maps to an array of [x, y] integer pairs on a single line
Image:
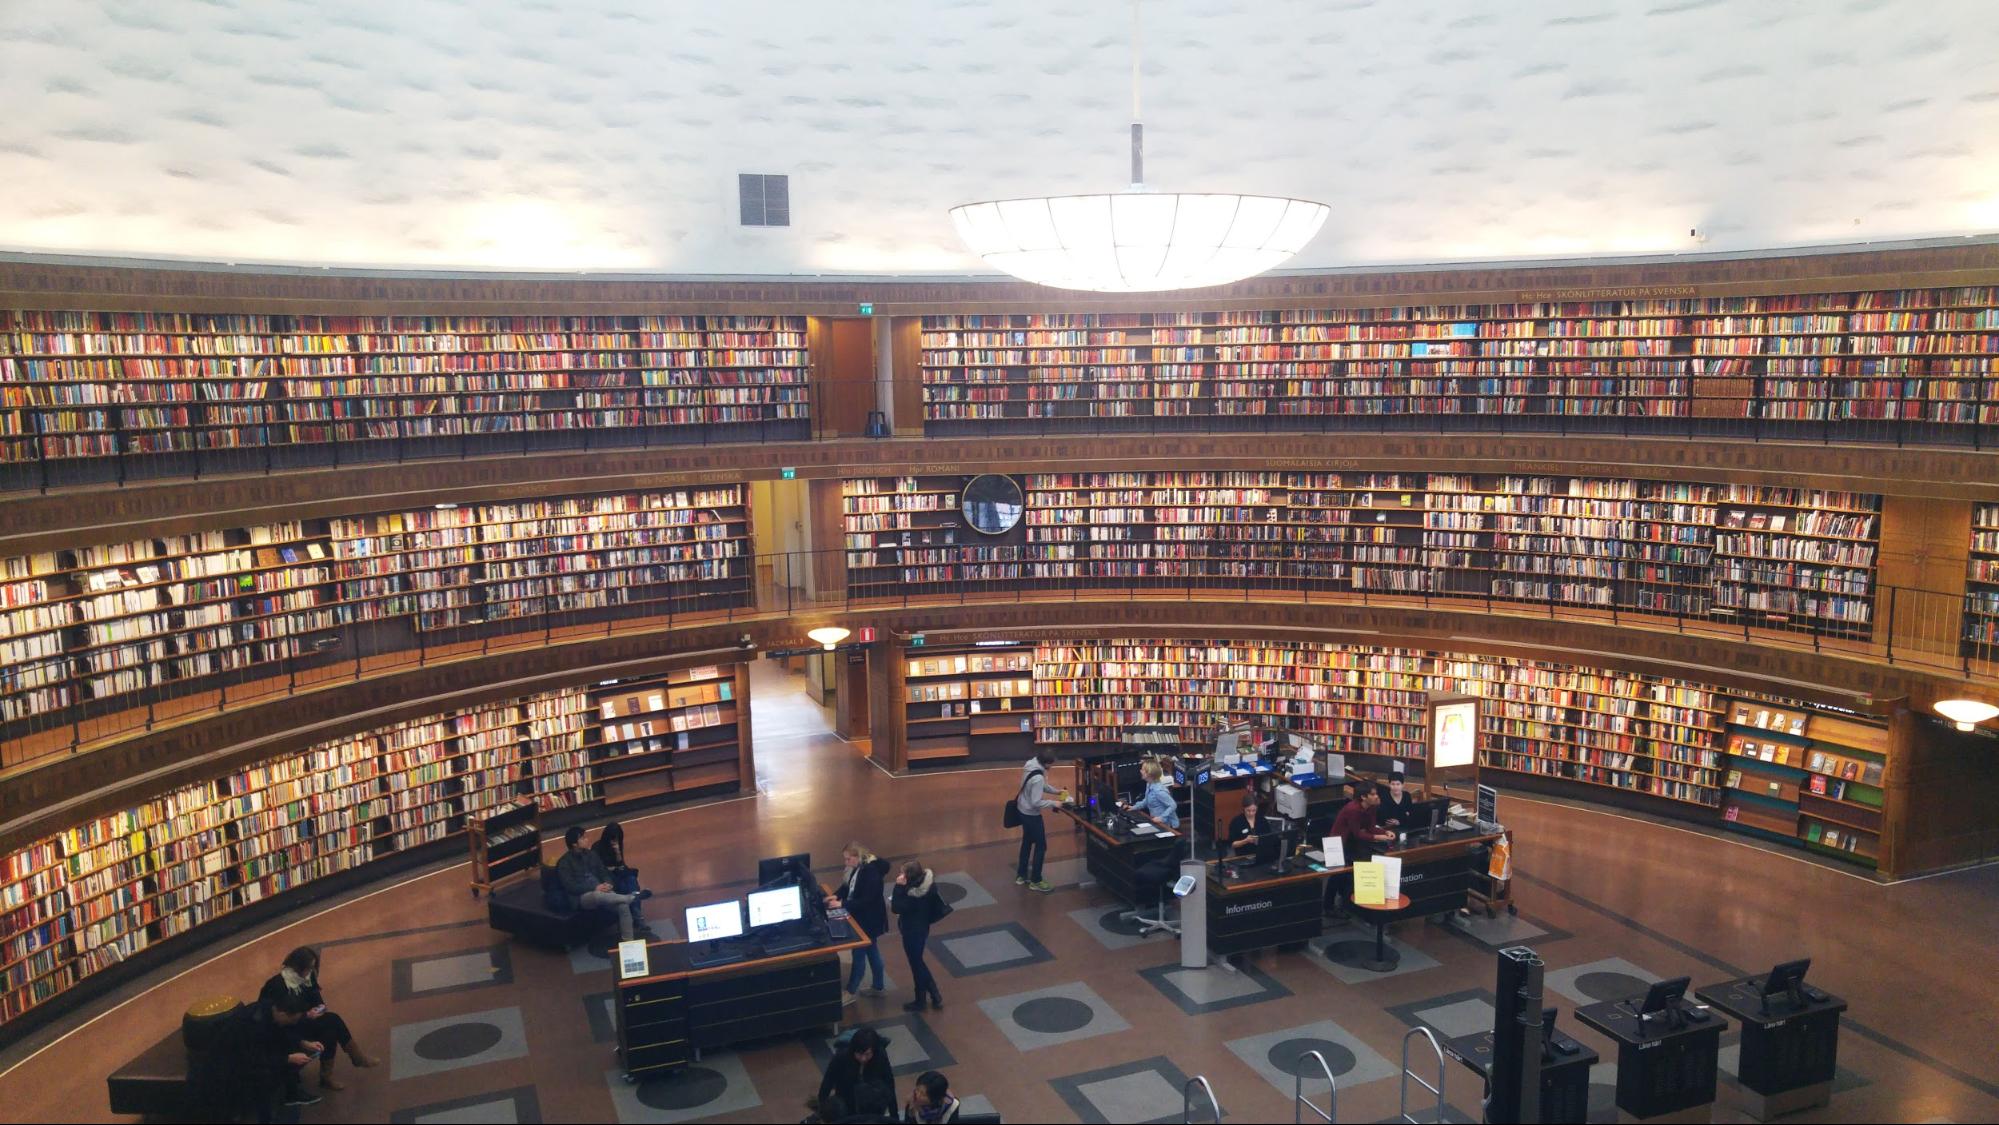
{"points": [[1158, 802]]}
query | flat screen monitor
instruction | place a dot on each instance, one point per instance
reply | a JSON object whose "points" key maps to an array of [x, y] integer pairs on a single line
{"points": [[1663, 996], [797, 867], [715, 921], [1786, 978], [769, 908]]}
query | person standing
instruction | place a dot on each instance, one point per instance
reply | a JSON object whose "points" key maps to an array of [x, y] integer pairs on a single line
{"points": [[1034, 796], [861, 894], [299, 977], [917, 907]]}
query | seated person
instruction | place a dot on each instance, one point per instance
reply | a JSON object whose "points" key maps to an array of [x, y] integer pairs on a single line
{"points": [[1157, 801], [257, 1059], [584, 877], [930, 1100], [299, 976], [1245, 838], [858, 1078], [1398, 810], [1356, 827], [610, 849]]}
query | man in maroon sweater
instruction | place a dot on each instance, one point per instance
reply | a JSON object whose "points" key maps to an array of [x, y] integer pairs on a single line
{"points": [[1358, 833]]}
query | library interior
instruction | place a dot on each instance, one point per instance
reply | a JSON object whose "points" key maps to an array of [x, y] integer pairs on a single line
{"points": [[643, 563]]}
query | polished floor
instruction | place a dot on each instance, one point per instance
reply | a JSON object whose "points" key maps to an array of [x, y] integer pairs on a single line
{"points": [[1055, 1013]]}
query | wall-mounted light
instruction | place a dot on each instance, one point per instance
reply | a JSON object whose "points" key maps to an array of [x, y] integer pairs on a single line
{"points": [[828, 635], [1965, 713]]}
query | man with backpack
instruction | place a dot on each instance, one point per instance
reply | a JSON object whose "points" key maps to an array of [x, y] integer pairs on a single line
{"points": [[1033, 796]]}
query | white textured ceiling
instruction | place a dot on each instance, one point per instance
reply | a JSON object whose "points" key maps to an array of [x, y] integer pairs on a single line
{"points": [[599, 134]]}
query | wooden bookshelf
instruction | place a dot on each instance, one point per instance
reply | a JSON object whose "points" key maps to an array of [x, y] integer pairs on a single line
{"points": [[504, 843], [1981, 610], [1737, 364], [969, 704], [1796, 774], [299, 391], [684, 732], [1646, 735], [103, 890], [1788, 558], [84, 627]]}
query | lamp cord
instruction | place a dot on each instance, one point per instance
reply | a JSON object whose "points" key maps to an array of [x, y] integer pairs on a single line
{"points": [[1137, 129]]}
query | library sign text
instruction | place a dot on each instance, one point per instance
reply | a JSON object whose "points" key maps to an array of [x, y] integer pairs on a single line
{"points": [[1611, 293]]}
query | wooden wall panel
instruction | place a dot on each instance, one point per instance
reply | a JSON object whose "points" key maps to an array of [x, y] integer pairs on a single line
{"points": [[907, 336], [1940, 788]]}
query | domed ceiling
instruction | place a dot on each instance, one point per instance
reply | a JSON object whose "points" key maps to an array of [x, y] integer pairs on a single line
{"points": [[571, 134]]}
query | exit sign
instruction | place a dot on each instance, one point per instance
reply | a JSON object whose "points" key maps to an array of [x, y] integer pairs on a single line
{"points": [[788, 473], [867, 308], [916, 640]]}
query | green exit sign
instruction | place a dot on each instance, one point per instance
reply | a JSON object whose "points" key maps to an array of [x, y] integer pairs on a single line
{"points": [[789, 473], [916, 640], [867, 308]]}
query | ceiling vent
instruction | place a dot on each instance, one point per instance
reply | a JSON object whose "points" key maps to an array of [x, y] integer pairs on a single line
{"points": [[766, 200]]}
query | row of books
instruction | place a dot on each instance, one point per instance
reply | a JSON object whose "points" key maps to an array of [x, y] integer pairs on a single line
{"points": [[109, 886]]}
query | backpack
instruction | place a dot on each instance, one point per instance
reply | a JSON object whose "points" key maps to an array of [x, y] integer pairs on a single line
{"points": [[1010, 815]]}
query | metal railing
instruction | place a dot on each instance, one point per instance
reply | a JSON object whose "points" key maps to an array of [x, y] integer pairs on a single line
{"points": [[1300, 1103], [346, 641], [1408, 1074], [224, 436], [1189, 1102]]}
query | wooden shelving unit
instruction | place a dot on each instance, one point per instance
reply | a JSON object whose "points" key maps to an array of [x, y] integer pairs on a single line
{"points": [[1787, 558], [1981, 617], [81, 900], [264, 391], [684, 732], [1736, 364], [1796, 774], [90, 625], [969, 704], [504, 844]]}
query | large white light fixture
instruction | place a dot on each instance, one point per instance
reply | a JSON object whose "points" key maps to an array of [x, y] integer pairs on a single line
{"points": [[1966, 713], [1138, 240], [828, 635]]}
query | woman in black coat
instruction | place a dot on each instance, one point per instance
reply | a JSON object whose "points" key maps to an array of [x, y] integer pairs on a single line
{"points": [[862, 1061], [299, 977], [917, 908], [861, 894]]}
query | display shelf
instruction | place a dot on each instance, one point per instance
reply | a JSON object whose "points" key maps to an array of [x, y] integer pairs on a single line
{"points": [[969, 704], [88, 897], [81, 386], [682, 731]]}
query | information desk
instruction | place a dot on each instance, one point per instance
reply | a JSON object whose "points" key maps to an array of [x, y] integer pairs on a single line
{"points": [[1113, 856], [1260, 908], [665, 1017], [1788, 1053], [1436, 873], [1564, 1077], [1660, 1071]]}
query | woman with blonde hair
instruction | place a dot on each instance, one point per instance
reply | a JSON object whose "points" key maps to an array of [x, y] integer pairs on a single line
{"points": [[860, 894], [1158, 802]]}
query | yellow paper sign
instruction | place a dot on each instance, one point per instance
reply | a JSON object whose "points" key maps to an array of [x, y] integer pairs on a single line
{"points": [[1370, 884]]}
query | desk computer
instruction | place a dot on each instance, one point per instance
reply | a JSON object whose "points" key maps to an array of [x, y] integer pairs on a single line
{"points": [[708, 927]]}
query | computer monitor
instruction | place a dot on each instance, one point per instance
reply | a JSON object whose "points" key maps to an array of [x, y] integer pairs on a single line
{"points": [[1787, 981], [1665, 996], [717, 921], [798, 868], [771, 908]]}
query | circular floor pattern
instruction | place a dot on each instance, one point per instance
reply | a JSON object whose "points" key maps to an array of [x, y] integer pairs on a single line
{"points": [[692, 1088], [951, 893], [1053, 1015], [457, 1041], [1610, 985], [1114, 921], [1289, 1057], [1352, 952]]}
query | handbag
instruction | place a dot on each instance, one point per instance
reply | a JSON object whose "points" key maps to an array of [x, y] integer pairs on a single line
{"points": [[1010, 815], [939, 909]]}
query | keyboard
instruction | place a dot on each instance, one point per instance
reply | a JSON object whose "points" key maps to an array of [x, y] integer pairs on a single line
{"points": [[721, 955], [1456, 826]]}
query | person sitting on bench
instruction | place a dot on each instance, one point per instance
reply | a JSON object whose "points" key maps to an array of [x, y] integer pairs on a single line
{"points": [[584, 877], [299, 976], [256, 1061]]}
